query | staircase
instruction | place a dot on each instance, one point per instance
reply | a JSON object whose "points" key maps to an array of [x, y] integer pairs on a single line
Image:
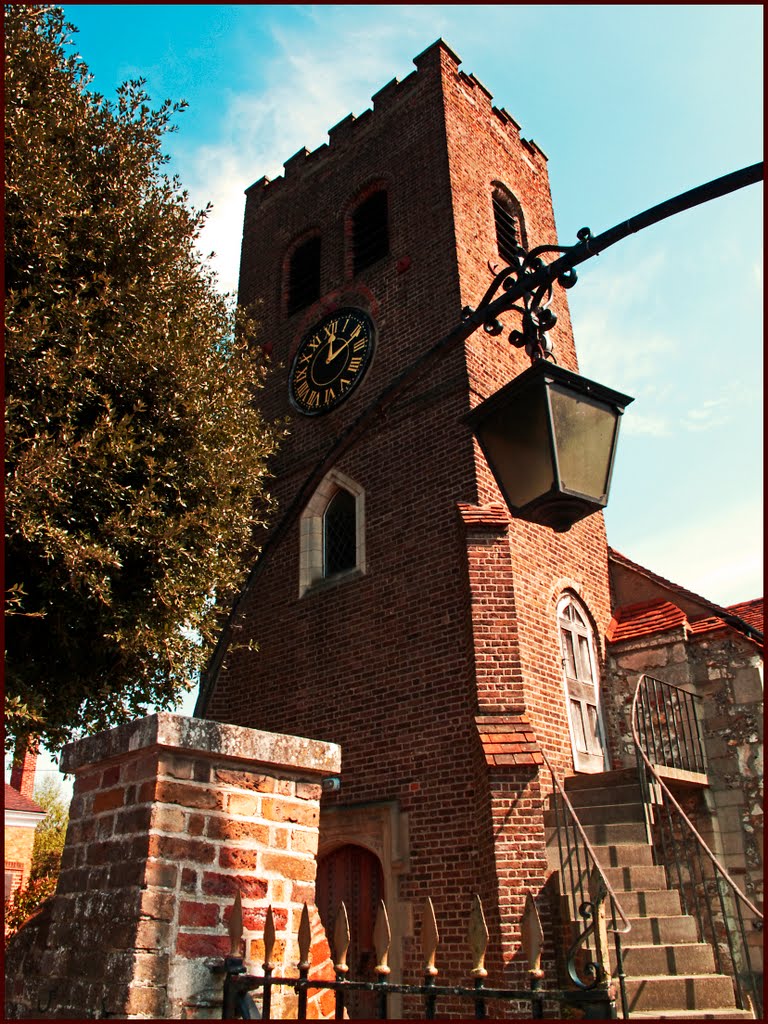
{"points": [[670, 975]]}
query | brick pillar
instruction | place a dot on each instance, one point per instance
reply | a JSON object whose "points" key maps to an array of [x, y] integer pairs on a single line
{"points": [[170, 817]]}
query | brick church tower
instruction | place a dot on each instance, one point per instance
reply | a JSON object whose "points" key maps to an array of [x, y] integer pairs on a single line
{"points": [[398, 609]]}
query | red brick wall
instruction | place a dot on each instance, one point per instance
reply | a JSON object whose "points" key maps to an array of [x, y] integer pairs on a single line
{"points": [[18, 844], [394, 665], [170, 818]]}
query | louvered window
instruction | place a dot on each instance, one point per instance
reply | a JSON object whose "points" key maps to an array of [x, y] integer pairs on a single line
{"points": [[304, 275], [507, 231], [370, 231]]}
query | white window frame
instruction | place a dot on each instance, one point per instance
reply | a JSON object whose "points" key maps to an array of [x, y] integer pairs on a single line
{"points": [[311, 532], [572, 600]]}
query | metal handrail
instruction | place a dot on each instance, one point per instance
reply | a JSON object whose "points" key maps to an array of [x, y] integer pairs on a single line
{"points": [[590, 850], [590, 908], [659, 781], [696, 857]]}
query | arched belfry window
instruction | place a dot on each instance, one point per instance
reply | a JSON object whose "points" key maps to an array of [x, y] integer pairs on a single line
{"points": [[582, 685], [508, 218], [332, 538], [370, 231], [304, 275]]}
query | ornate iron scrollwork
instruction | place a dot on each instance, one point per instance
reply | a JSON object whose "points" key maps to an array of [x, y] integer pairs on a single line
{"points": [[537, 318], [588, 911]]}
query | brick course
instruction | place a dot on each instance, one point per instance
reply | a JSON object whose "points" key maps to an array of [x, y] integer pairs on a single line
{"points": [[455, 614], [143, 901]]}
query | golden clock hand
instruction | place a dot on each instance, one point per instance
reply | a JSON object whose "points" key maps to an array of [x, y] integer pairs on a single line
{"points": [[331, 354]]}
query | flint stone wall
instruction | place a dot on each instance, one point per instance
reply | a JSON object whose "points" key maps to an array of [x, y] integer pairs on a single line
{"points": [[726, 672]]}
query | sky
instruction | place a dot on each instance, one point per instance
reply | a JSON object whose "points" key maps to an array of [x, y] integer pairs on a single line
{"points": [[632, 104]]}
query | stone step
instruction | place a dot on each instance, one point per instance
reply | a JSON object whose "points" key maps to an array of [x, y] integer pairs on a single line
{"points": [[632, 832], [653, 931], [604, 780], [683, 958], [625, 855], [650, 903], [636, 877], [671, 958], [661, 931], [687, 992], [629, 794], [597, 814]]}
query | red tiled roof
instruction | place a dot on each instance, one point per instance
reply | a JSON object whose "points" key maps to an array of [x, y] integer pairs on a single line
{"points": [[710, 624], [16, 801], [741, 617], [750, 611], [483, 515], [642, 619], [508, 740], [652, 617]]}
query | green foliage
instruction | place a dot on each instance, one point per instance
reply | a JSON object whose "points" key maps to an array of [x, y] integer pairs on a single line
{"points": [[27, 901], [135, 456], [51, 832]]}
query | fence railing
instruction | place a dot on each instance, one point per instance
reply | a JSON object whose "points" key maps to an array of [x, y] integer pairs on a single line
{"points": [[582, 883], [668, 725], [707, 891], [596, 1001]]}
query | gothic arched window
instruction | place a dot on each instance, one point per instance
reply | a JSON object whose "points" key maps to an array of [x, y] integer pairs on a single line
{"points": [[332, 537]]}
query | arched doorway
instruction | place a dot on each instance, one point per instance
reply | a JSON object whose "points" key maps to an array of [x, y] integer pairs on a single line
{"points": [[353, 875]]}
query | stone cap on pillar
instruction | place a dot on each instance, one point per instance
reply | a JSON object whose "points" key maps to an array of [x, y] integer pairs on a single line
{"points": [[202, 737]]}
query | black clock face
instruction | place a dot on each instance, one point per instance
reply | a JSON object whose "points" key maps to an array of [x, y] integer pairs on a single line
{"points": [[330, 361]]}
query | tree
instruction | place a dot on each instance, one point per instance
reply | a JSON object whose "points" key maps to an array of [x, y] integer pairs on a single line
{"points": [[51, 832], [50, 835], [135, 455]]}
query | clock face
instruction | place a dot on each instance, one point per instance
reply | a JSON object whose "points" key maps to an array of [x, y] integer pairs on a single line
{"points": [[330, 361]]}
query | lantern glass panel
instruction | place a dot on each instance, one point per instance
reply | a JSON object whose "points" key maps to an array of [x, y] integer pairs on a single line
{"points": [[584, 432], [516, 443]]}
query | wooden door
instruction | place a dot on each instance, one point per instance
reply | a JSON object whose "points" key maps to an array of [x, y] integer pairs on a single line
{"points": [[581, 689], [353, 875]]}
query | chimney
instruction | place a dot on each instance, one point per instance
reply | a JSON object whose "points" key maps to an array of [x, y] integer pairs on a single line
{"points": [[23, 767]]}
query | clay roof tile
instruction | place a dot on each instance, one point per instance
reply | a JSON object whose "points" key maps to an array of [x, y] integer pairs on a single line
{"points": [[16, 801]]}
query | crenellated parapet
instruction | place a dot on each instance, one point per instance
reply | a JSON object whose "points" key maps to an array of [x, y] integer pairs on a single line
{"points": [[437, 61]]}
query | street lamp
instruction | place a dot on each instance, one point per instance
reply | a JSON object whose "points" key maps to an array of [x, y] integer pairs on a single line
{"points": [[549, 438]]}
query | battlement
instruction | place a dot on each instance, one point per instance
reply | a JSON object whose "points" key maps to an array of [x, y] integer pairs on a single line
{"points": [[432, 64]]}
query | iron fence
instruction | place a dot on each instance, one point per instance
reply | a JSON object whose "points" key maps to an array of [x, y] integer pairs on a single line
{"points": [[668, 725], [596, 1001]]}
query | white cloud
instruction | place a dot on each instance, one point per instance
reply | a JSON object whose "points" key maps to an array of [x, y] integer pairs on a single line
{"points": [[713, 412], [639, 424], [310, 89], [618, 340]]}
